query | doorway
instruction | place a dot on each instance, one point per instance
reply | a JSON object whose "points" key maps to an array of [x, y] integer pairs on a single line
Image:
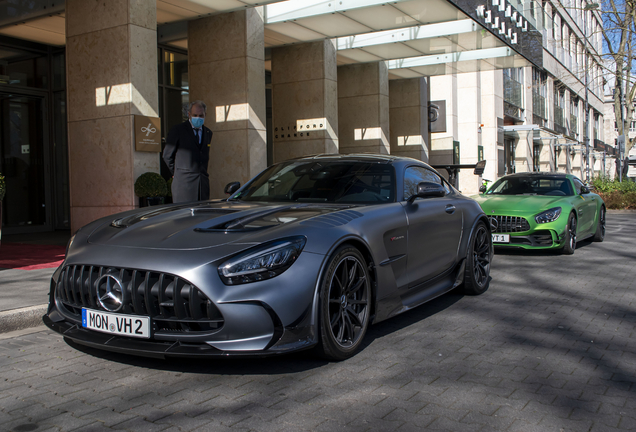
{"points": [[24, 162]]}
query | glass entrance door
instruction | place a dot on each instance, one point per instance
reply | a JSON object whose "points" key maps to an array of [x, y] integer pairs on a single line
{"points": [[23, 162]]}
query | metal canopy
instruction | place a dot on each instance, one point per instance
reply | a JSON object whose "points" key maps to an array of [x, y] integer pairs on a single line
{"points": [[415, 37]]}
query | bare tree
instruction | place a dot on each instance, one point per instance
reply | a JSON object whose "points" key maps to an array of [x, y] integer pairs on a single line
{"points": [[619, 34]]}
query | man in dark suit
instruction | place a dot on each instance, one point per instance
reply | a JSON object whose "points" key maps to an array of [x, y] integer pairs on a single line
{"points": [[187, 153]]}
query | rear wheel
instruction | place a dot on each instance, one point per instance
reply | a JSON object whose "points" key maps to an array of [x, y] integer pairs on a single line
{"points": [[345, 299], [478, 258], [570, 236], [599, 236]]}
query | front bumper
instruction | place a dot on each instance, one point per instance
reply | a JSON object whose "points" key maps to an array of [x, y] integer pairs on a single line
{"points": [[268, 317]]}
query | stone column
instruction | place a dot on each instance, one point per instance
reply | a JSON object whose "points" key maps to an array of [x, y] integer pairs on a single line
{"points": [[111, 66], [227, 72], [363, 108], [305, 100], [408, 117], [489, 136]]}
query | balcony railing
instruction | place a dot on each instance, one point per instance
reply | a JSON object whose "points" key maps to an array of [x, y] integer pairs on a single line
{"points": [[538, 105]]}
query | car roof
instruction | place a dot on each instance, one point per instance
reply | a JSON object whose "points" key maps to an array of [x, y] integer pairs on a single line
{"points": [[359, 157], [550, 174]]}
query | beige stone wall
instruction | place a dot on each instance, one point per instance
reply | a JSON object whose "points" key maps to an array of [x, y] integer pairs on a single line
{"points": [[111, 63], [408, 116], [305, 100], [363, 108], [226, 70]]}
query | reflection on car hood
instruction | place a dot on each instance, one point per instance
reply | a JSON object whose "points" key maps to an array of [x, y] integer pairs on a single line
{"points": [[517, 204], [205, 225]]}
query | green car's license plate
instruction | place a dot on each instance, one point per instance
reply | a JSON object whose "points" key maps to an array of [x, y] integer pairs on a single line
{"points": [[501, 238]]}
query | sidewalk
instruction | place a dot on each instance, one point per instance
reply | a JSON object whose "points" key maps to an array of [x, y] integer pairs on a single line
{"points": [[24, 294]]}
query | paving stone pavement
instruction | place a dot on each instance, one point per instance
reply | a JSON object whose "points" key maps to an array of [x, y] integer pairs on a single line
{"points": [[551, 346]]}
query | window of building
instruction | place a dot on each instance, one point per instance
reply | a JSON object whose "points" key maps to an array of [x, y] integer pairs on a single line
{"points": [[559, 108], [539, 93], [513, 92], [574, 115]]}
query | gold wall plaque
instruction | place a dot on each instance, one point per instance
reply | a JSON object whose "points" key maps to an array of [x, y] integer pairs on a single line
{"points": [[147, 134]]}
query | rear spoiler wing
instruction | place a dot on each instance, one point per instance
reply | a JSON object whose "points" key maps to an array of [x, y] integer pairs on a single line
{"points": [[453, 169]]}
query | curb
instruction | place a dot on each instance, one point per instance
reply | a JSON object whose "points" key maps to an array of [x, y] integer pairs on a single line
{"points": [[18, 319]]}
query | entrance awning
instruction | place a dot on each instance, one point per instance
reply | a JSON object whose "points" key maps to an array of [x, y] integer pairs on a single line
{"points": [[541, 135]]}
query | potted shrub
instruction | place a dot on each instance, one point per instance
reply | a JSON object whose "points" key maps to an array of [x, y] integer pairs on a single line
{"points": [[3, 190], [151, 189]]}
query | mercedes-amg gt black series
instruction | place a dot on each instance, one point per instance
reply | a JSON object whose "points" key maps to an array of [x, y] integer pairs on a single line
{"points": [[307, 254]]}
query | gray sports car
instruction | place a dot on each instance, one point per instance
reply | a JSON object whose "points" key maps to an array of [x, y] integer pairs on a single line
{"points": [[307, 254]]}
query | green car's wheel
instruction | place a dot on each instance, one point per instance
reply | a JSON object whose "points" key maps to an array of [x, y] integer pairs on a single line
{"points": [[478, 258], [600, 227], [570, 236], [345, 301]]}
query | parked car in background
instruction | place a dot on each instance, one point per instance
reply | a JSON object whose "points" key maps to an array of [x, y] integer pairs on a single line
{"points": [[307, 254], [542, 211]]}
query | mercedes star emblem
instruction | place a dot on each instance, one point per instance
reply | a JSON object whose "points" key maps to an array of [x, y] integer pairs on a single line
{"points": [[110, 292]]}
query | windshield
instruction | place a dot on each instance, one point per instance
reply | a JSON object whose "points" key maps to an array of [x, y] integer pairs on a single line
{"points": [[532, 185], [323, 181]]}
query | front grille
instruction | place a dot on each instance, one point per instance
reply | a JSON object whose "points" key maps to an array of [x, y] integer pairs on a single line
{"points": [[508, 224], [174, 304]]}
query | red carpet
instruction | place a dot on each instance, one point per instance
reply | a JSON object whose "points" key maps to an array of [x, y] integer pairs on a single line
{"points": [[30, 256]]}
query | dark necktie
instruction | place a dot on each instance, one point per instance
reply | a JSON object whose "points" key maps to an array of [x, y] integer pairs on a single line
{"points": [[198, 132]]}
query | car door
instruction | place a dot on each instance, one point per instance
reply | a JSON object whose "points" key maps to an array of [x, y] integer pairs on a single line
{"points": [[434, 228], [585, 204]]}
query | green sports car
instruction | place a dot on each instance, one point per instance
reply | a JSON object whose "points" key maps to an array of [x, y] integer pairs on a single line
{"points": [[542, 211]]}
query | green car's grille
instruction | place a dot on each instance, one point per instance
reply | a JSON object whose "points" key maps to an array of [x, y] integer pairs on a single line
{"points": [[508, 224]]}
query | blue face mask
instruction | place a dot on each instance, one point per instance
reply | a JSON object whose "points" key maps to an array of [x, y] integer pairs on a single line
{"points": [[197, 122]]}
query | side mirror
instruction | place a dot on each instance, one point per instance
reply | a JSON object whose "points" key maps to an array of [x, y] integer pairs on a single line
{"points": [[427, 190], [482, 189], [585, 190], [230, 188]]}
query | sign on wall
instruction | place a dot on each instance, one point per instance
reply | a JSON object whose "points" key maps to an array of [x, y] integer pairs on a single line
{"points": [[437, 116], [147, 134]]}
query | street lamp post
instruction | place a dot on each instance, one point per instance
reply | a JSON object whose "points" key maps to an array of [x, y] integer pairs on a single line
{"points": [[588, 7]]}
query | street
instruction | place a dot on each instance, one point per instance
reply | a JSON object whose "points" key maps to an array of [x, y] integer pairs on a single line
{"points": [[551, 346]]}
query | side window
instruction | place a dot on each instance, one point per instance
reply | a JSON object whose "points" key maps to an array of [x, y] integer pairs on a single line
{"points": [[577, 185], [415, 175]]}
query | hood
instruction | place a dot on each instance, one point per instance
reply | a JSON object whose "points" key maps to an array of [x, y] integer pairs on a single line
{"points": [[517, 204], [203, 225]]}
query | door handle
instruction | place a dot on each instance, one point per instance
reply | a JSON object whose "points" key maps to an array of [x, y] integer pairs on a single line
{"points": [[450, 209]]}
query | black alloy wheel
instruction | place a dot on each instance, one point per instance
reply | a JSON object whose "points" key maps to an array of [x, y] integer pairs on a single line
{"points": [[570, 236], [478, 259], [345, 300], [599, 236]]}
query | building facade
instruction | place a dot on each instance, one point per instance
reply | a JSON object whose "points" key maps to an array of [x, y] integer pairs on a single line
{"points": [[83, 83]]}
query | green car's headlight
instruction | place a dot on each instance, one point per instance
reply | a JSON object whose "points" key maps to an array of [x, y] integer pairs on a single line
{"points": [[548, 215], [262, 262]]}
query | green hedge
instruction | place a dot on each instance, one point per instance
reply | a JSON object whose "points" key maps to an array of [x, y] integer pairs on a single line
{"points": [[150, 185], [617, 195]]}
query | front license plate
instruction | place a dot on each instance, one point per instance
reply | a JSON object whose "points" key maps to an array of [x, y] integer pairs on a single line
{"points": [[118, 324], [501, 238]]}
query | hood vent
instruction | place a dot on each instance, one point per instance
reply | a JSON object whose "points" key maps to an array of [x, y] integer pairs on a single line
{"points": [[333, 219]]}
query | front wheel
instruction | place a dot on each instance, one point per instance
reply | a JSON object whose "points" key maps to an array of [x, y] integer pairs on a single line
{"points": [[570, 236], [478, 259], [599, 236], [345, 300]]}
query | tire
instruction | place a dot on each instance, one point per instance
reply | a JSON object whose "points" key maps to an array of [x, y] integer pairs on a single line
{"points": [[478, 259], [570, 236], [345, 304], [599, 236]]}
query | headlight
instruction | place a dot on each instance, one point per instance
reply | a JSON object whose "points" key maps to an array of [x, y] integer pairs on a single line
{"points": [[262, 262], [548, 215]]}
